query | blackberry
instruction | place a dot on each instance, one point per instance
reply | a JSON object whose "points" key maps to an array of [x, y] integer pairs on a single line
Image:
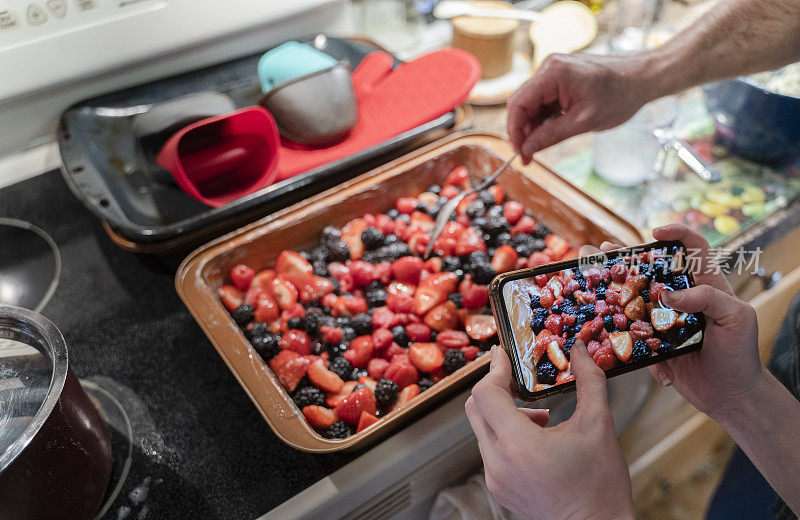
{"points": [[600, 292], [376, 298], [521, 238], [538, 244], [640, 351], [483, 273], [453, 360], [451, 263], [582, 285], [349, 334], [502, 238], [243, 314], [425, 383], [523, 249], [386, 391], [372, 238], [317, 348], [487, 197], [479, 222], [343, 321], [433, 336], [307, 396], [331, 234], [610, 263], [338, 251], [555, 309], [294, 323], [459, 273], [259, 329], [491, 251], [362, 324], [496, 225], [266, 346], [434, 188], [476, 209], [588, 310], [568, 343], [373, 285], [546, 372], [537, 322], [680, 282], [404, 218], [400, 336], [665, 347], [567, 307], [535, 301], [479, 257], [319, 254], [341, 367], [337, 350], [336, 286], [496, 211], [683, 334], [692, 322], [455, 298], [396, 250], [358, 387], [608, 322], [338, 430], [393, 213], [645, 294], [391, 238], [320, 268]]}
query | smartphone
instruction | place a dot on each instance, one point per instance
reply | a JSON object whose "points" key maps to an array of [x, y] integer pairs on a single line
{"points": [[611, 301]]}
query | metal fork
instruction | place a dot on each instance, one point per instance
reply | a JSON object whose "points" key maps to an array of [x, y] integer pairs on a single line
{"points": [[450, 206]]}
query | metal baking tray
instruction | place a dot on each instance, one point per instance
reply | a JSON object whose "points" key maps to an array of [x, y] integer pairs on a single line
{"points": [[116, 177], [556, 203]]}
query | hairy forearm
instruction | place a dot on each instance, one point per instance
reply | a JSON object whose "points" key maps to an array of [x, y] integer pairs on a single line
{"points": [[766, 425], [737, 37]]}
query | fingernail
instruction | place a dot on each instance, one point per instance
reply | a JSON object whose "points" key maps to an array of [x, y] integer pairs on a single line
{"points": [[670, 296], [664, 379]]}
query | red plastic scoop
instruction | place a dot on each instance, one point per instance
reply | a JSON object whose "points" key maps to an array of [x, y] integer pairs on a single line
{"points": [[223, 158]]}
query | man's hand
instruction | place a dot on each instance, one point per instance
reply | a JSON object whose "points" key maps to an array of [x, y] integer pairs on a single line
{"points": [[573, 470], [728, 366], [573, 94]]}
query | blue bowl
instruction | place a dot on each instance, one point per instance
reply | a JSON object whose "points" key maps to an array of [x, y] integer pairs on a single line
{"points": [[755, 123]]}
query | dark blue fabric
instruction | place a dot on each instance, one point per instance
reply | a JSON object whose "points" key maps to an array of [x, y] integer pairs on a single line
{"points": [[743, 493]]}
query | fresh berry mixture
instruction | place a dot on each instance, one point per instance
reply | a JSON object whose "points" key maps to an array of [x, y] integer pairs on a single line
{"points": [[362, 324], [614, 308]]}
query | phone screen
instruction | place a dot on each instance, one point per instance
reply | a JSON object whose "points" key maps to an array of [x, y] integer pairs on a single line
{"points": [[610, 301]]}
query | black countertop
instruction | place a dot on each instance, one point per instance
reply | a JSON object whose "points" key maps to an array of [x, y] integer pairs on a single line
{"points": [[203, 451]]}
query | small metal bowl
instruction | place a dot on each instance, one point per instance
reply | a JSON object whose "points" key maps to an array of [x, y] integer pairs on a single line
{"points": [[318, 109]]}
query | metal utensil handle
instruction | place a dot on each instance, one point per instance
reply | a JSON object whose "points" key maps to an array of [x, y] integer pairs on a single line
{"points": [[490, 179], [707, 171]]}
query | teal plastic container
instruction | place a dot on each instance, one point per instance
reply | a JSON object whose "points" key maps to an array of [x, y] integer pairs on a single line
{"points": [[288, 61]]}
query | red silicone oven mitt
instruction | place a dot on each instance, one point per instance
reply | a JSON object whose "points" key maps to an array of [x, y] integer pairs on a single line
{"points": [[390, 102]]}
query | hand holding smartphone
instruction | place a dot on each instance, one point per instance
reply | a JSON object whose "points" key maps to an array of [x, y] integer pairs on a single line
{"points": [[611, 301]]}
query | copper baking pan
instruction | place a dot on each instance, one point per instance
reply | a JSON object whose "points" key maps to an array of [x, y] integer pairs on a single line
{"points": [[566, 210]]}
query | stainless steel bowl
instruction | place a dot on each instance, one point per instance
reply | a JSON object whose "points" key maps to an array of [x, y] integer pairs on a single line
{"points": [[318, 109]]}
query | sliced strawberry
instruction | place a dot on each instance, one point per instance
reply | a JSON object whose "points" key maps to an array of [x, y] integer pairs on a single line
{"points": [[459, 177], [407, 269], [504, 259], [376, 367], [382, 271], [241, 276], [499, 194], [289, 367], [402, 288], [635, 310], [663, 319], [592, 347], [266, 308], [442, 317], [332, 399], [557, 245], [384, 223], [452, 339], [359, 351], [295, 311], [469, 241], [283, 291], [473, 296], [513, 211], [381, 339], [564, 377], [406, 205], [293, 264], [406, 394], [420, 221], [319, 416], [555, 324], [314, 288], [450, 192], [418, 242], [538, 258], [362, 272], [349, 409], [393, 351], [427, 357], [481, 327], [230, 296], [368, 382], [461, 208], [525, 225], [556, 355], [470, 352], [351, 235], [433, 265], [384, 318], [418, 332], [365, 421], [323, 378], [622, 345], [297, 341], [401, 371]]}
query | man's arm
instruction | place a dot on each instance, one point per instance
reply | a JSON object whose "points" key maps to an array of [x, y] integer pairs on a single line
{"points": [[594, 92], [735, 38]]}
